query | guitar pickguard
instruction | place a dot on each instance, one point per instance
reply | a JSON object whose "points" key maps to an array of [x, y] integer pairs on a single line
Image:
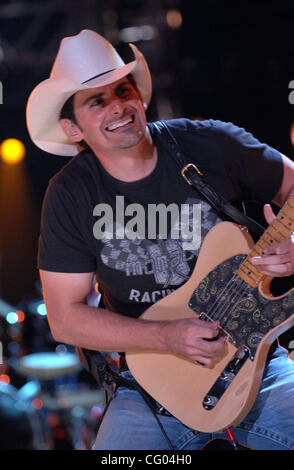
{"points": [[244, 313]]}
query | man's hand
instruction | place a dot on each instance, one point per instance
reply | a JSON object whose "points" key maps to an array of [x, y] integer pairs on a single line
{"points": [[278, 260], [193, 339]]}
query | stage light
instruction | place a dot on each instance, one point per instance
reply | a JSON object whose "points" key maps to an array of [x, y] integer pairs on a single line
{"points": [[174, 19], [37, 403], [20, 316], [12, 318], [12, 151], [53, 420], [61, 349], [138, 33], [292, 133], [41, 309], [4, 379]]}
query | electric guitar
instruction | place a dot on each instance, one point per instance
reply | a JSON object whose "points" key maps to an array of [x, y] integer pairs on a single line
{"points": [[224, 286]]}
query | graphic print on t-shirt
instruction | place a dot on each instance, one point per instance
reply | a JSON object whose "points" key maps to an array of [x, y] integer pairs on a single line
{"points": [[166, 260]]}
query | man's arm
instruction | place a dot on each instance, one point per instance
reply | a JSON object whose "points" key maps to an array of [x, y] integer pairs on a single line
{"points": [[73, 322], [287, 186], [278, 260]]}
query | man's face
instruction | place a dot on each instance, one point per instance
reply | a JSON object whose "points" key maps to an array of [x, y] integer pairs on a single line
{"points": [[110, 117]]}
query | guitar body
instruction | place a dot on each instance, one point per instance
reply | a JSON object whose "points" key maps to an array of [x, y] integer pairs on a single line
{"points": [[181, 385]]}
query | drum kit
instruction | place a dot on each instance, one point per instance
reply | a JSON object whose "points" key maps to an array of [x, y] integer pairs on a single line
{"points": [[44, 384]]}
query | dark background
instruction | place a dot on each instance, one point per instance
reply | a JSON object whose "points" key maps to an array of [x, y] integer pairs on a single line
{"points": [[228, 60]]}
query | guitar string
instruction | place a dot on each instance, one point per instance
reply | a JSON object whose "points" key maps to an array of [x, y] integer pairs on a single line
{"points": [[232, 295], [238, 295], [235, 283], [224, 306], [218, 312], [232, 301], [280, 221], [235, 280]]}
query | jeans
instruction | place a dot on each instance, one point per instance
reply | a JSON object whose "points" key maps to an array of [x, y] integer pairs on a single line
{"points": [[130, 425]]}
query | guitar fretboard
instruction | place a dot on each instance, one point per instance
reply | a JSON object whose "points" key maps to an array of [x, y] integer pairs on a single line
{"points": [[280, 229]]}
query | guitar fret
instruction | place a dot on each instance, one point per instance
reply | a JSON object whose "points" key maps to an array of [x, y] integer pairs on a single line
{"points": [[247, 267], [251, 267], [280, 229], [265, 245], [275, 234], [277, 220], [251, 273], [271, 238], [258, 252], [255, 275], [287, 216], [283, 215], [254, 281]]}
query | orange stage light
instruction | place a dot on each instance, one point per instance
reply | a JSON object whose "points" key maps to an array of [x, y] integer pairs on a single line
{"points": [[292, 133], [4, 379], [20, 316], [174, 19], [12, 151]]}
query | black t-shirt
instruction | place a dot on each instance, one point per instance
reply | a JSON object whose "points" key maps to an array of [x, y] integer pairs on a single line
{"points": [[142, 238]]}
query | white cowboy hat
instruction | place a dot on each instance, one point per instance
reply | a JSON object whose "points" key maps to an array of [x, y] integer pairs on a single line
{"points": [[84, 61]]}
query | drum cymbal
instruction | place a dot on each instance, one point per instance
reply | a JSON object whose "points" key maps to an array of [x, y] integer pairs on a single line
{"points": [[49, 365]]}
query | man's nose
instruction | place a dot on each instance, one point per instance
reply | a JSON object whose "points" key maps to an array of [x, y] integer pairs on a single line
{"points": [[117, 106]]}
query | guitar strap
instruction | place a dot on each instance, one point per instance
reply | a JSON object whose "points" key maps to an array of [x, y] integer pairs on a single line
{"points": [[195, 178], [108, 379]]}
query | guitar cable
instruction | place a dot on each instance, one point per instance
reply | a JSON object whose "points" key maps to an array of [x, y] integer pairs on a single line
{"points": [[146, 397], [232, 438]]}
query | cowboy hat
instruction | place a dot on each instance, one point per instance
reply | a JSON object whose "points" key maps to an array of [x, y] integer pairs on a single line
{"points": [[84, 61]]}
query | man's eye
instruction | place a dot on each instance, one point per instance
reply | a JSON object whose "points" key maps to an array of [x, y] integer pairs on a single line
{"points": [[97, 102], [125, 91]]}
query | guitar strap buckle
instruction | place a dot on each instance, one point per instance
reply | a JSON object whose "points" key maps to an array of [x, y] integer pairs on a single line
{"points": [[186, 168]]}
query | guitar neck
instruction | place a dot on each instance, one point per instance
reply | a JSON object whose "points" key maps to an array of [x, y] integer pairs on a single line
{"points": [[280, 229]]}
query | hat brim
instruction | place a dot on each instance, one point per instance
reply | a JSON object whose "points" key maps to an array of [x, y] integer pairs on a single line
{"points": [[47, 99]]}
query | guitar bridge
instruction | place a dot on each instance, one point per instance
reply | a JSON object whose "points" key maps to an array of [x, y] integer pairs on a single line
{"points": [[226, 377]]}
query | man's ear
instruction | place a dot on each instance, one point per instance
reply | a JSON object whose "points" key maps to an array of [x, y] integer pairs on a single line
{"points": [[72, 130]]}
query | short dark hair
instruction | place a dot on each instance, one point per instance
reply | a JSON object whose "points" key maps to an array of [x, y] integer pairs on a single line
{"points": [[67, 111]]}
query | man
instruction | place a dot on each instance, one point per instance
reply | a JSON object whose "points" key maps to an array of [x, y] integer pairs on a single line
{"points": [[98, 219]]}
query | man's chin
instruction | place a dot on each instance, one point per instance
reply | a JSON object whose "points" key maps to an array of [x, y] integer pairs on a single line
{"points": [[127, 138]]}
